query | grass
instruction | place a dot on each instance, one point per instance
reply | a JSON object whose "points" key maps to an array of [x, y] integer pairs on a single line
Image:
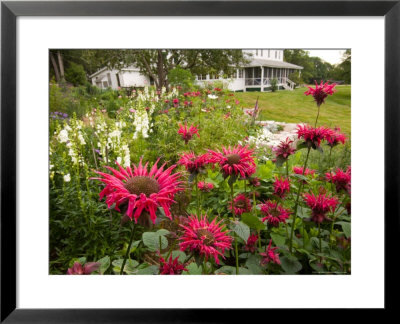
{"points": [[295, 107]]}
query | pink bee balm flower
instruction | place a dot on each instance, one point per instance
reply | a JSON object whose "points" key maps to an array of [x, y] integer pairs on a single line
{"points": [[88, 268], [206, 239], [341, 179], [284, 149], [273, 213], [313, 136], [335, 137], [320, 205], [140, 190], [321, 91], [236, 161], [187, 133], [171, 267], [194, 164], [205, 186], [251, 243], [299, 170], [281, 186], [270, 255], [241, 204], [176, 102]]}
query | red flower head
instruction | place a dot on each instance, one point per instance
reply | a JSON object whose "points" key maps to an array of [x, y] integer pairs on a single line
{"points": [[281, 186], [140, 190], [88, 268], [284, 149], [254, 181], [274, 214], [270, 255], [320, 205], [299, 170], [313, 136], [171, 267], [241, 204], [176, 102], [321, 91], [251, 243], [187, 133], [341, 179], [193, 164], [236, 161], [205, 186], [335, 137], [207, 239]]}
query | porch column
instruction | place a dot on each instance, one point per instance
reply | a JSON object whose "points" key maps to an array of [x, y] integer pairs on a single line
{"points": [[262, 78]]}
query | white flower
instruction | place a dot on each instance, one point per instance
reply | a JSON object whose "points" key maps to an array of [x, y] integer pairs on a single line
{"points": [[81, 139], [119, 160], [229, 107], [63, 136], [51, 166], [213, 97], [67, 178]]}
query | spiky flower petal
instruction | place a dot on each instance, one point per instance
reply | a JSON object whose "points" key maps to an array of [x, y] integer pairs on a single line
{"points": [[320, 205], [321, 91], [171, 267], [188, 132], [270, 256], [273, 213], [205, 238], [140, 190], [236, 161], [241, 204]]}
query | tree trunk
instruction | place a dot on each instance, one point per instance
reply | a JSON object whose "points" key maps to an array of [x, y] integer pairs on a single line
{"points": [[160, 70], [61, 65], [55, 67]]}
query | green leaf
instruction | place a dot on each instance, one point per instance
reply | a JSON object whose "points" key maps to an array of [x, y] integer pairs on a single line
{"points": [[104, 264], [290, 264], [252, 221], [346, 228], [279, 161], [129, 267], [242, 230], [226, 269], [163, 231], [193, 269], [301, 145], [180, 254], [278, 239], [152, 241], [151, 270]]}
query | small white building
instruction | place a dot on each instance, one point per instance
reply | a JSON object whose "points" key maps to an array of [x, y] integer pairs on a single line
{"points": [[126, 77], [264, 66]]}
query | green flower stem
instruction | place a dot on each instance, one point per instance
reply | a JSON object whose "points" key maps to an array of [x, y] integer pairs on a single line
{"points": [[297, 203], [320, 241], [315, 125], [197, 196], [236, 256], [287, 168], [129, 248], [234, 218]]}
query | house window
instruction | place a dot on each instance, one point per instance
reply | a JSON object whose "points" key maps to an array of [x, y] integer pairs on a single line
{"points": [[256, 52], [240, 75], [262, 52], [105, 84], [202, 77], [276, 54]]}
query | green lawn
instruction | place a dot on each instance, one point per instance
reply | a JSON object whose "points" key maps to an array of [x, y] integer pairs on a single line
{"points": [[295, 107]]}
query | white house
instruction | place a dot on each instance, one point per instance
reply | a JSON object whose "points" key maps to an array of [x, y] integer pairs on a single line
{"points": [[126, 77], [264, 66]]}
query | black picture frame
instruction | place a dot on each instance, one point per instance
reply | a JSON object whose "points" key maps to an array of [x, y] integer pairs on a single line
{"points": [[11, 10]]}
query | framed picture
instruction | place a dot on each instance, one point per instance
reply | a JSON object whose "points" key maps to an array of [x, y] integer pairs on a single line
{"points": [[187, 137]]}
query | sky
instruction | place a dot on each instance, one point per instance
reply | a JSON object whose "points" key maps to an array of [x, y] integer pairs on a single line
{"points": [[330, 56]]}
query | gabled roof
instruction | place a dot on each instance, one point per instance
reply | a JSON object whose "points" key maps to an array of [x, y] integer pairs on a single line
{"points": [[98, 72], [272, 63]]}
